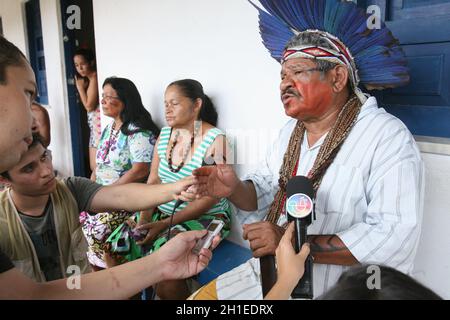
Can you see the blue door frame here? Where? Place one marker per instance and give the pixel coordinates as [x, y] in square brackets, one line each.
[36, 48]
[78, 149]
[423, 29]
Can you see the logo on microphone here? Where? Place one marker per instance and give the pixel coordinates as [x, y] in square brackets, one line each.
[299, 205]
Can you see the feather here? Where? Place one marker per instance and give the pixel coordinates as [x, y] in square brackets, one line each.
[380, 61]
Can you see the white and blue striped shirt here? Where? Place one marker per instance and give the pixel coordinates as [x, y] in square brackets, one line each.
[371, 197]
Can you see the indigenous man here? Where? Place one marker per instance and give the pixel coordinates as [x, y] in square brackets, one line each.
[365, 167]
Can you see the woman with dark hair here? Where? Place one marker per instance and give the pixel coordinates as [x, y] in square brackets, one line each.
[41, 123]
[124, 155]
[87, 86]
[190, 140]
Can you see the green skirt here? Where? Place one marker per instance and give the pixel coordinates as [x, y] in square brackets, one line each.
[122, 244]
[200, 224]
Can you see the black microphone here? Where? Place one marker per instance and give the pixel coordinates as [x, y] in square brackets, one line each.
[177, 204]
[299, 208]
[208, 161]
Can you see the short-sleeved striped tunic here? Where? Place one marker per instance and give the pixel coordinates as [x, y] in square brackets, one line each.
[221, 210]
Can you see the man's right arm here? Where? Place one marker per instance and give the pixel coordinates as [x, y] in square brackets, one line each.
[221, 181]
[174, 261]
[244, 196]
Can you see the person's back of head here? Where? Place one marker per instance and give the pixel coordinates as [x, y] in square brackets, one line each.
[357, 284]
[10, 55]
[41, 123]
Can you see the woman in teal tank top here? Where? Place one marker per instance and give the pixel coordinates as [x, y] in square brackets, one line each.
[191, 136]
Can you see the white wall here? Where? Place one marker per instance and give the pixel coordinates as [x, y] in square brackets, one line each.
[432, 264]
[216, 42]
[13, 18]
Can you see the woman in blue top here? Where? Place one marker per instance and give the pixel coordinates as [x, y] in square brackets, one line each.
[190, 138]
[124, 155]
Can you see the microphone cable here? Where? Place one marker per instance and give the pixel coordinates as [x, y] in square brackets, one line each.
[208, 161]
[175, 207]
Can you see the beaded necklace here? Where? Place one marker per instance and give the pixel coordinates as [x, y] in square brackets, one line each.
[327, 153]
[112, 137]
[186, 152]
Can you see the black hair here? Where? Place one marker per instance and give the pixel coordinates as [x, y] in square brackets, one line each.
[394, 285]
[88, 55]
[134, 116]
[10, 55]
[37, 139]
[193, 90]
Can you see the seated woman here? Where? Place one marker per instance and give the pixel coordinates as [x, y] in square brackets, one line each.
[189, 139]
[124, 155]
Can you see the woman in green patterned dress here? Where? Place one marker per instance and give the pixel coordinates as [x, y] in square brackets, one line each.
[124, 155]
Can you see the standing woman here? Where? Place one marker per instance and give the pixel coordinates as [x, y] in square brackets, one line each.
[41, 123]
[190, 138]
[87, 86]
[124, 155]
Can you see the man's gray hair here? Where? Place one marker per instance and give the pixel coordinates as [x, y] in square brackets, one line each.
[309, 38]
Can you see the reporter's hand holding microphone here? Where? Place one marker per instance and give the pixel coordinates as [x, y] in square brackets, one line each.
[290, 266]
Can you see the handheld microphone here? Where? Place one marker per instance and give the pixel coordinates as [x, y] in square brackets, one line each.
[299, 208]
[208, 161]
[177, 204]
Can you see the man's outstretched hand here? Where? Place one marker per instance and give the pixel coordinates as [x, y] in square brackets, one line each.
[218, 181]
[186, 189]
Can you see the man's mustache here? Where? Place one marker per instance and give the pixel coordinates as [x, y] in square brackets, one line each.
[290, 91]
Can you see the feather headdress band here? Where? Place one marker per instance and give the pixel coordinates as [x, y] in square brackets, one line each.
[373, 56]
[336, 53]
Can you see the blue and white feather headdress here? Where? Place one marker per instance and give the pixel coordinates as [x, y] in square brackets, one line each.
[373, 56]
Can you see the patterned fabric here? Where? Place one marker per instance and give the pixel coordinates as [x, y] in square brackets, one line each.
[117, 156]
[95, 128]
[340, 54]
[222, 210]
[114, 158]
[97, 228]
[123, 241]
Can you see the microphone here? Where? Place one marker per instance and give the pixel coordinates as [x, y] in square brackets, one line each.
[299, 208]
[177, 204]
[208, 161]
